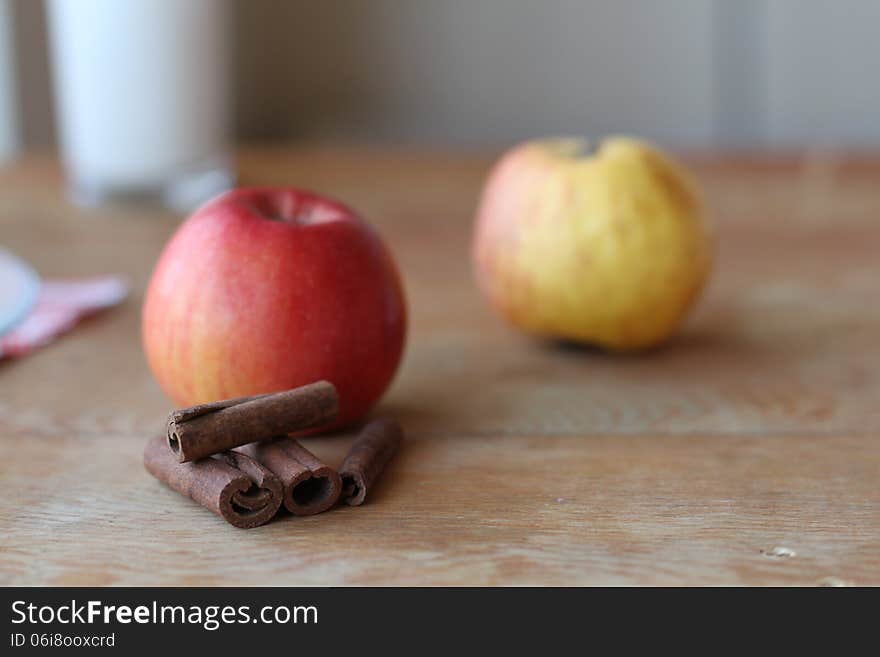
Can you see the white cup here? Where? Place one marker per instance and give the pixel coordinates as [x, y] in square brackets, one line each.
[142, 98]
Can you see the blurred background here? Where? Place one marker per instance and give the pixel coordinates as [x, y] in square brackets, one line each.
[692, 74]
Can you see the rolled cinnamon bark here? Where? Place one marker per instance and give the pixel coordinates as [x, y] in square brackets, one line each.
[207, 429]
[183, 414]
[309, 485]
[372, 449]
[235, 487]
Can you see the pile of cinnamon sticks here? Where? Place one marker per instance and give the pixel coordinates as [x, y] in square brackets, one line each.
[235, 457]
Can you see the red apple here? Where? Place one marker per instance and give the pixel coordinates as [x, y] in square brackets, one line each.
[267, 289]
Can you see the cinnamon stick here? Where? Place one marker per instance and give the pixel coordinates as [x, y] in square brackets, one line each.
[232, 485]
[183, 414]
[309, 485]
[206, 429]
[372, 449]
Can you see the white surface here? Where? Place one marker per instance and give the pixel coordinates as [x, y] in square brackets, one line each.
[489, 71]
[140, 86]
[19, 288]
[822, 77]
[697, 73]
[693, 73]
[9, 126]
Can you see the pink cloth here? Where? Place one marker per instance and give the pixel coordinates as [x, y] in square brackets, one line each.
[60, 306]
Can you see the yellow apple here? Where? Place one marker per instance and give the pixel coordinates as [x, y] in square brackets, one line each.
[608, 248]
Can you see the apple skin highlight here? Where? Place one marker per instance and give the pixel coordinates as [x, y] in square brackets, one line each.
[262, 290]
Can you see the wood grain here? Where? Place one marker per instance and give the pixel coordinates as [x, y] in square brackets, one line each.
[753, 433]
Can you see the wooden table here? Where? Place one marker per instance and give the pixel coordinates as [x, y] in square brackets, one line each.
[744, 452]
